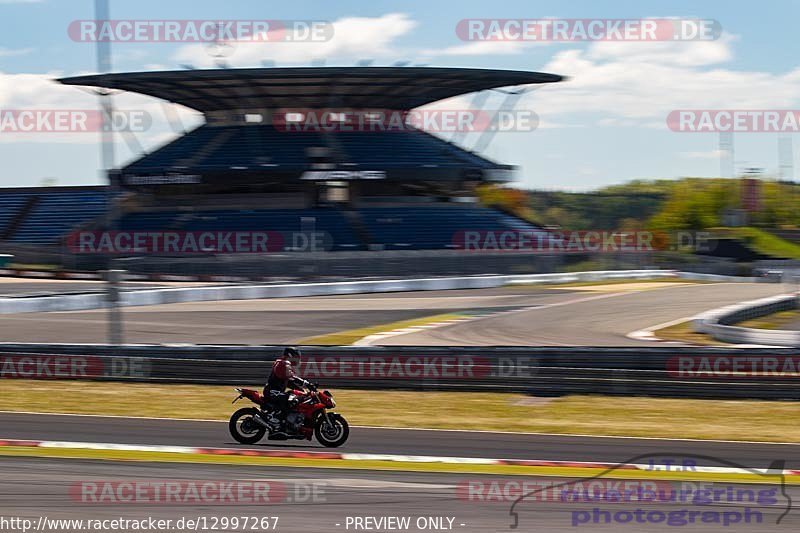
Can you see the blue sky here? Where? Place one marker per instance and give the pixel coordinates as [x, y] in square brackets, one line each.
[605, 125]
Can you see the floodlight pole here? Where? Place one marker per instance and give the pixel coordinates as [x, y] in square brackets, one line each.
[114, 277]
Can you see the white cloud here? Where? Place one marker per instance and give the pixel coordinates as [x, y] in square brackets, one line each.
[683, 53]
[481, 48]
[637, 84]
[41, 92]
[353, 38]
[9, 52]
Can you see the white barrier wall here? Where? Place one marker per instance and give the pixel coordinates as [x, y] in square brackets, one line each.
[719, 322]
[79, 302]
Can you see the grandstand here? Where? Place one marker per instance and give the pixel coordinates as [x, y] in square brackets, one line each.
[43, 215]
[240, 170]
[258, 147]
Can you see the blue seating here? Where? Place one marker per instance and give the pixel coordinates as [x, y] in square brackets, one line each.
[400, 149]
[395, 228]
[10, 205]
[434, 227]
[286, 221]
[169, 155]
[57, 213]
[258, 146]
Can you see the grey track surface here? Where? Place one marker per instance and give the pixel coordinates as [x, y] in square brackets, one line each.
[590, 319]
[391, 441]
[193, 323]
[794, 325]
[555, 317]
[32, 488]
[279, 320]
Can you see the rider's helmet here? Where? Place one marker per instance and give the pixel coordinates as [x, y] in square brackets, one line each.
[291, 354]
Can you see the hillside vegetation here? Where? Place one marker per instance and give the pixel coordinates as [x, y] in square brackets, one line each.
[691, 204]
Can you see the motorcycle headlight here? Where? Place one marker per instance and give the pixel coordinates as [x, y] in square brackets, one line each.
[329, 403]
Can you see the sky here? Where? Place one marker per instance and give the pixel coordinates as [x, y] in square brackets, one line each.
[605, 125]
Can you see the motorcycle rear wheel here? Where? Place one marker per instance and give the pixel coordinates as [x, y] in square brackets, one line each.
[243, 428]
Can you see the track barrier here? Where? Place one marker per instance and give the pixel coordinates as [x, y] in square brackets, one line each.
[760, 373]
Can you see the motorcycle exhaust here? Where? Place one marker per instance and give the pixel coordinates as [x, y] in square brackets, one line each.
[261, 422]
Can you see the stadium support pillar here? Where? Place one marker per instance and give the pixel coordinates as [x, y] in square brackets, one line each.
[107, 156]
[114, 279]
[311, 194]
[355, 194]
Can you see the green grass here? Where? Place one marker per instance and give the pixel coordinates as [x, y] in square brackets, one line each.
[762, 241]
[591, 415]
[773, 321]
[31, 266]
[683, 332]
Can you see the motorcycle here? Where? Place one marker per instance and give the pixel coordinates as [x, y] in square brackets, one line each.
[309, 416]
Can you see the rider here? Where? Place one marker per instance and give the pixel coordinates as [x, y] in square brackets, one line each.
[281, 377]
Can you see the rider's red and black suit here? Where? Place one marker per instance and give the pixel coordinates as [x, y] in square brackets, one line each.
[281, 377]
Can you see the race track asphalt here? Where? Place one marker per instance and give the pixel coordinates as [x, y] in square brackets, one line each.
[590, 318]
[394, 441]
[270, 321]
[535, 316]
[307, 500]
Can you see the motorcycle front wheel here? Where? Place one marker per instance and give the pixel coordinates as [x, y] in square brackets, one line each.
[334, 434]
[244, 428]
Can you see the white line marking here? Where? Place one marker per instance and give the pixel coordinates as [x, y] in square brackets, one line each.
[356, 483]
[647, 334]
[393, 458]
[370, 340]
[419, 458]
[111, 416]
[69, 445]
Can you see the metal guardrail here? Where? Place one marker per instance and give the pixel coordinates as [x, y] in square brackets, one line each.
[719, 323]
[543, 371]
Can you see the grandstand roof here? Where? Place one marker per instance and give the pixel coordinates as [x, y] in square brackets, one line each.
[399, 88]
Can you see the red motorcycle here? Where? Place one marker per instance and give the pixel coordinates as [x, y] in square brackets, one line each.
[309, 416]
